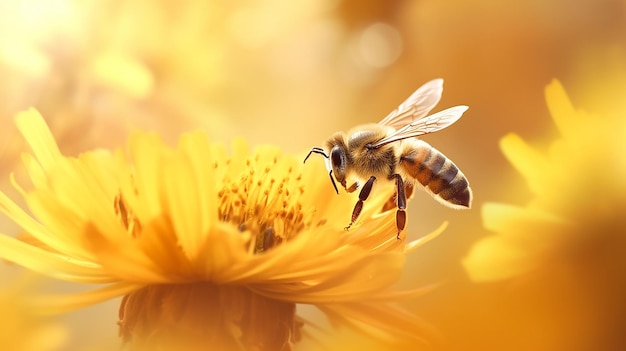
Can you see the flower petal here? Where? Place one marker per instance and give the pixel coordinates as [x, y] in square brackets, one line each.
[523, 226]
[123, 258]
[51, 264]
[202, 159]
[381, 320]
[146, 151]
[528, 161]
[567, 119]
[362, 279]
[493, 258]
[411, 246]
[36, 132]
[55, 304]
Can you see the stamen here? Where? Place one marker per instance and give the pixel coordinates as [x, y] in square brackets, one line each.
[126, 215]
[267, 207]
[256, 202]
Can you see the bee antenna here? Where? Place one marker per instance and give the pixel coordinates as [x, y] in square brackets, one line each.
[316, 150]
[320, 151]
[332, 180]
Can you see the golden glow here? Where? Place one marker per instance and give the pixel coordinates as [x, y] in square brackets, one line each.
[98, 69]
[380, 45]
[124, 74]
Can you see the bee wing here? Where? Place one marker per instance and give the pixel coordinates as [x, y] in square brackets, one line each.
[416, 106]
[425, 125]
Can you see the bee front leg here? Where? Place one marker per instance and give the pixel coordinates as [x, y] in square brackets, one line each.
[401, 202]
[352, 187]
[363, 195]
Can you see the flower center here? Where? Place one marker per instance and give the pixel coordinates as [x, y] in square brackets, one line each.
[265, 200]
[262, 197]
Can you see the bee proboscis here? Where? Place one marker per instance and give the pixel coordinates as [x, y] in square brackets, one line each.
[391, 151]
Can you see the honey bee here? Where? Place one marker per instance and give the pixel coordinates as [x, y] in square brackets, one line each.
[390, 151]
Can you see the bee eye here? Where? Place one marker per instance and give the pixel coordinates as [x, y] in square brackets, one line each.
[338, 158]
[339, 162]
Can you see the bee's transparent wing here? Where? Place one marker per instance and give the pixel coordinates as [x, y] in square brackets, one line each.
[416, 106]
[425, 125]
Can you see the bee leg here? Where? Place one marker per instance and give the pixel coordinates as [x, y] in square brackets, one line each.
[363, 195]
[401, 202]
[391, 203]
[352, 187]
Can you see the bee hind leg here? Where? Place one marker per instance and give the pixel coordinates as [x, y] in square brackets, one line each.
[391, 202]
[363, 195]
[401, 203]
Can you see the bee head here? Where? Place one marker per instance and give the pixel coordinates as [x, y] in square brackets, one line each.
[337, 160]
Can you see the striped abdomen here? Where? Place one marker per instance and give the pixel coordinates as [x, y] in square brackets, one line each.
[440, 176]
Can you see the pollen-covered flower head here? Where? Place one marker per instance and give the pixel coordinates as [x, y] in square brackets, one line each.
[206, 244]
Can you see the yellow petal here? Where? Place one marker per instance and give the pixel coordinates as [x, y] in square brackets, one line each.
[61, 228]
[411, 246]
[62, 241]
[493, 258]
[159, 242]
[36, 132]
[528, 161]
[361, 279]
[566, 118]
[146, 151]
[181, 199]
[202, 159]
[35, 171]
[186, 190]
[123, 259]
[51, 264]
[55, 304]
[380, 320]
[526, 227]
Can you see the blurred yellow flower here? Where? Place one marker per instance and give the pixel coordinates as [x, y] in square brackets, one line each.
[206, 247]
[22, 328]
[579, 194]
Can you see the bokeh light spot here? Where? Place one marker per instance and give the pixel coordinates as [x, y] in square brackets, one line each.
[380, 45]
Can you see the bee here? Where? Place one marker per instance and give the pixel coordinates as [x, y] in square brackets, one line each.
[390, 151]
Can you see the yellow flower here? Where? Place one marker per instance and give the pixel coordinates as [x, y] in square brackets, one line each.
[206, 247]
[22, 328]
[579, 194]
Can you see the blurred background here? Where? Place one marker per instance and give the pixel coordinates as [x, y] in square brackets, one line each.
[291, 73]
